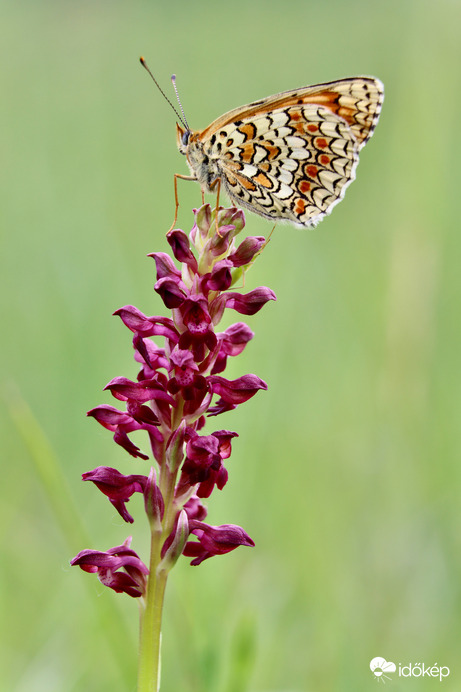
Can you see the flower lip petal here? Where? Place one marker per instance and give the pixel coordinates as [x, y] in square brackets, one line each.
[125, 389]
[145, 326]
[134, 319]
[250, 303]
[110, 417]
[235, 338]
[117, 487]
[214, 540]
[164, 265]
[122, 439]
[115, 484]
[236, 391]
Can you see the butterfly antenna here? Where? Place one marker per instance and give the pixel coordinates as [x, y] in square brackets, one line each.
[183, 119]
[173, 79]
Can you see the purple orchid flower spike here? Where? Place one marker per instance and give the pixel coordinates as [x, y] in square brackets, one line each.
[179, 385]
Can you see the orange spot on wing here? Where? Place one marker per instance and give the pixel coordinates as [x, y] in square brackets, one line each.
[300, 206]
[244, 182]
[272, 151]
[347, 113]
[304, 186]
[324, 159]
[330, 99]
[262, 180]
[311, 170]
[321, 143]
[248, 130]
[325, 98]
[230, 179]
[247, 153]
[313, 128]
[295, 115]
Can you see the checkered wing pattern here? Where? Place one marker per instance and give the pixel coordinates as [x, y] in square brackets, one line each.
[289, 157]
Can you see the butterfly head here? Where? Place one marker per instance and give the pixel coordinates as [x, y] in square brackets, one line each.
[202, 167]
[182, 138]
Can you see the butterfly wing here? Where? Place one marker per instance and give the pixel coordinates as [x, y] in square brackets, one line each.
[291, 156]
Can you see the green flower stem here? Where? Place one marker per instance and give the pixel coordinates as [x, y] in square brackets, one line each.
[151, 622]
[151, 609]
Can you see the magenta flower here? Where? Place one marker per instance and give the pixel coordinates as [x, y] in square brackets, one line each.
[214, 540]
[203, 466]
[231, 343]
[120, 488]
[106, 564]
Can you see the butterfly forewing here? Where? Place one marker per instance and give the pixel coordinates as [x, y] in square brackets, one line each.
[290, 157]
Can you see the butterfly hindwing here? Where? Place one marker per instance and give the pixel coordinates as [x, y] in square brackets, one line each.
[293, 163]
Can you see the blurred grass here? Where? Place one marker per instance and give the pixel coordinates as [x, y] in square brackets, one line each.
[346, 472]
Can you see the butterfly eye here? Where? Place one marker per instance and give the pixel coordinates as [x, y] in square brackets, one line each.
[185, 137]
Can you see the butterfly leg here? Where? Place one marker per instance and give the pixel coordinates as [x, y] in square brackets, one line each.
[176, 198]
[216, 184]
[263, 246]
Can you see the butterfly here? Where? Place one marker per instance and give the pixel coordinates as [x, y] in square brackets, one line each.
[288, 157]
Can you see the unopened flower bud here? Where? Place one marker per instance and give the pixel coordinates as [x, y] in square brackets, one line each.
[247, 250]
[179, 243]
[232, 216]
[199, 233]
[175, 543]
[153, 502]
[175, 448]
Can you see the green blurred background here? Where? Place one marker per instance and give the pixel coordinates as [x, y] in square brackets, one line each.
[346, 472]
